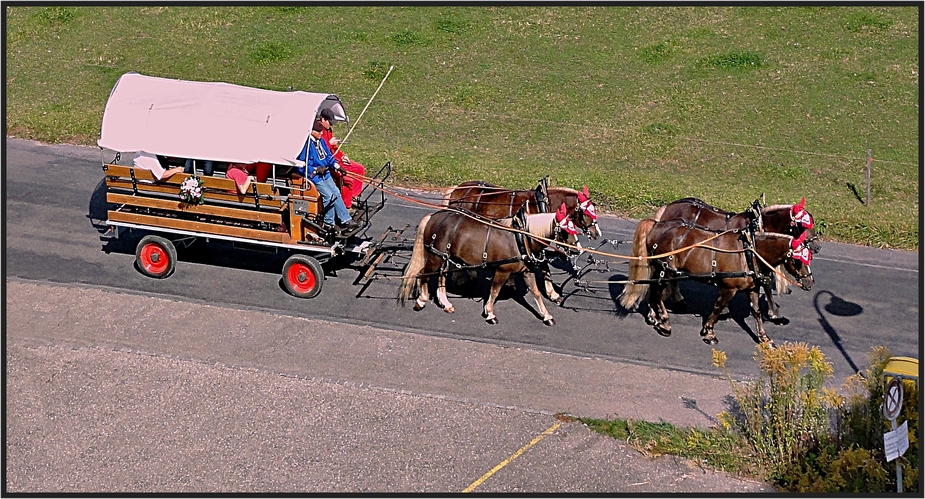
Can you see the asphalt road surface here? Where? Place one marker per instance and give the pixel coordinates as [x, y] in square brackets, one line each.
[248, 388]
[863, 297]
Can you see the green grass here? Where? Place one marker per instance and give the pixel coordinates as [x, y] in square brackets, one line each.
[713, 448]
[643, 104]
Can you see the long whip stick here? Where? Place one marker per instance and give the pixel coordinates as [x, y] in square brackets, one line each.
[355, 123]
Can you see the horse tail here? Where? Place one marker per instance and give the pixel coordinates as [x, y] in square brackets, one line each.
[410, 282]
[633, 292]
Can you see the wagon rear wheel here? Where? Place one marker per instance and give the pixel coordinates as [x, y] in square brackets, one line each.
[303, 276]
[155, 256]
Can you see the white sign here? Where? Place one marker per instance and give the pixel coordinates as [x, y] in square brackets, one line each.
[896, 442]
[893, 399]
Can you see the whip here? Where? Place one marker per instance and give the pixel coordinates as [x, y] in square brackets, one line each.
[355, 123]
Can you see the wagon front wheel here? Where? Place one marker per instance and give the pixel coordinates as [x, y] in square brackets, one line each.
[303, 276]
[155, 256]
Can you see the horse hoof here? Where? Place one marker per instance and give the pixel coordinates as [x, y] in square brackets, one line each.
[418, 308]
[492, 321]
[666, 332]
[449, 309]
[711, 341]
[550, 322]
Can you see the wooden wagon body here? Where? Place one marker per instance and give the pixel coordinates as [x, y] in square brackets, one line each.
[232, 124]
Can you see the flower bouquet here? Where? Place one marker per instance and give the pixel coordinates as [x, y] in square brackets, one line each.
[191, 191]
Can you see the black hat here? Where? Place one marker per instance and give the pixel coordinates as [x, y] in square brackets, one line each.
[317, 127]
[328, 114]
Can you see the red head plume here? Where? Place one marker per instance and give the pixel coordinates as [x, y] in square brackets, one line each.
[798, 241]
[583, 196]
[561, 213]
[799, 215]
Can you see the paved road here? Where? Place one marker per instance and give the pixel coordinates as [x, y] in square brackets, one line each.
[355, 394]
[863, 297]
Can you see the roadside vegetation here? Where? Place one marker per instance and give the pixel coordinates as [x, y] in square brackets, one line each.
[645, 105]
[789, 428]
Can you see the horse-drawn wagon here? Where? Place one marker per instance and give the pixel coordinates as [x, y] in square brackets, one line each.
[221, 123]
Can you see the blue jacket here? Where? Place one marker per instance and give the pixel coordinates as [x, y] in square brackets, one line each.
[318, 160]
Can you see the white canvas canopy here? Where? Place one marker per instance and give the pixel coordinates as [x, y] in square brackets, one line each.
[210, 120]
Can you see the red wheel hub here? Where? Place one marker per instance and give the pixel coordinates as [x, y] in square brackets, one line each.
[301, 277]
[154, 258]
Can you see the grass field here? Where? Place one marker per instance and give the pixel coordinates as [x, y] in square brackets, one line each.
[644, 105]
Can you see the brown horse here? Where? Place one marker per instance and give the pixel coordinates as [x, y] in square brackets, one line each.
[492, 201]
[728, 260]
[792, 220]
[496, 202]
[450, 241]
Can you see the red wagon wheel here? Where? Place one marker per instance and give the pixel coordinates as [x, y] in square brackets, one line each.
[303, 276]
[155, 256]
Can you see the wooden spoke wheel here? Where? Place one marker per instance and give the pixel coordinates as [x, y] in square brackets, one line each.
[155, 256]
[303, 276]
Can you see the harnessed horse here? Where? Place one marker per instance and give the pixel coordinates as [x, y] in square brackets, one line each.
[449, 241]
[733, 261]
[792, 220]
[496, 202]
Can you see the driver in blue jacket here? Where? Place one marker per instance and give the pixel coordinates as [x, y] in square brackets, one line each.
[318, 165]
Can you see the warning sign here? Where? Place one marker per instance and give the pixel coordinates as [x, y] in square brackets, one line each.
[896, 442]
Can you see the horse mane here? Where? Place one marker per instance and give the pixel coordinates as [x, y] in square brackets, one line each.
[775, 207]
[540, 224]
[566, 190]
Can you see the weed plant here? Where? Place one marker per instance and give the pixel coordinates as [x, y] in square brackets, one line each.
[810, 438]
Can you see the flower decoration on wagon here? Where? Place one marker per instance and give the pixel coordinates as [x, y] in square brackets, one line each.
[191, 191]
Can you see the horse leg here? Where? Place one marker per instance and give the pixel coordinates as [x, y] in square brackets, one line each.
[680, 305]
[756, 313]
[488, 312]
[424, 294]
[658, 314]
[773, 314]
[547, 282]
[441, 295]
[530, 280]
[725, 296]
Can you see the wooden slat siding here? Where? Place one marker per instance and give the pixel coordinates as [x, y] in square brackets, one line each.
[204, 209]
[120, 176]
[201, 227]
[174, 191]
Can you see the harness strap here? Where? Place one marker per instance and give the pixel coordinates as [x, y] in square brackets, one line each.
[131, 172]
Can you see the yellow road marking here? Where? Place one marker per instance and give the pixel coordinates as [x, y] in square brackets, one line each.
[513, 457]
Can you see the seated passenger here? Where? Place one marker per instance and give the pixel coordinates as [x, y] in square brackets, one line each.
[150, 161]
[207, 167]
[241, 174]
[319, 162]
[351, 185]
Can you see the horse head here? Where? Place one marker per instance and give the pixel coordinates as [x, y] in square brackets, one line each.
[797, 262]
[792, 220]
[586, 215]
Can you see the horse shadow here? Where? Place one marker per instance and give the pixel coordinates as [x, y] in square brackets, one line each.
[475, 284]
[699, 299]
